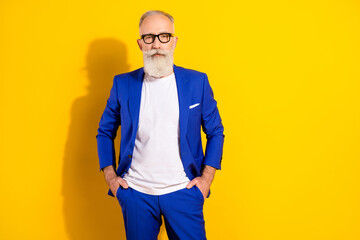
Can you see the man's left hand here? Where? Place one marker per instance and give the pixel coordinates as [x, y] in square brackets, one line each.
[203, 182]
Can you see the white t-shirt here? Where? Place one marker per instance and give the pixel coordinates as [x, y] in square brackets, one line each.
[156, 166]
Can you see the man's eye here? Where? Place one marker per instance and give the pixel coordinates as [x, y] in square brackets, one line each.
[164, 36]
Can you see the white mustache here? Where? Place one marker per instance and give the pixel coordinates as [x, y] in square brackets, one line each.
[152, 52]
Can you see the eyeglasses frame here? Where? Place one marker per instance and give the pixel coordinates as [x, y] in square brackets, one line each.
[157, 36]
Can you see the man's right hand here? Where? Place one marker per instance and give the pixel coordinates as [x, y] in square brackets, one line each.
[112, 180]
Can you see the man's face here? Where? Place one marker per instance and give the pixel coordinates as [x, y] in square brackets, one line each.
[156, 24]
[158, 56]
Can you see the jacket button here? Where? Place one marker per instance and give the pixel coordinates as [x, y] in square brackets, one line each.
[129, 156]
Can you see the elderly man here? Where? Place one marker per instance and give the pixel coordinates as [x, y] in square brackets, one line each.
[162, 169]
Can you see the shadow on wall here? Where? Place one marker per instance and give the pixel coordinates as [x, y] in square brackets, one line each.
[89, 212]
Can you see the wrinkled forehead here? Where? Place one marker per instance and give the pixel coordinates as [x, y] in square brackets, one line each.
[155, 24]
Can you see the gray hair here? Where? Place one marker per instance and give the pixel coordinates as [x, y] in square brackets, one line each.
[153, 12]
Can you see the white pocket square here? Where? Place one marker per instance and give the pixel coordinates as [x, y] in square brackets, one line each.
[194, 105]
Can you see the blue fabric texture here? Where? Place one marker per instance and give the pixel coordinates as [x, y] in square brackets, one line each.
[182, 211]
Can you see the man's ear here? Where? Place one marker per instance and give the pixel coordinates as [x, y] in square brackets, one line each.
[139, 43]
[176, 39]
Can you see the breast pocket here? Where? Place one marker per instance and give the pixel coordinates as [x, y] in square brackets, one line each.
[194, 105]
[195, 109]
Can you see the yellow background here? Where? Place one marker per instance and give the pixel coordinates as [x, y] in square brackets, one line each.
[285, 75]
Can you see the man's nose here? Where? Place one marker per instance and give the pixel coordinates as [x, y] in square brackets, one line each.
[156, 44]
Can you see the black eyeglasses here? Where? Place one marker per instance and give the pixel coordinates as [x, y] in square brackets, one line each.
[150, 38]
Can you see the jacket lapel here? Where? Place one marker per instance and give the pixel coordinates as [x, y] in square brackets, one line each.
[182, 90]
[135, 87]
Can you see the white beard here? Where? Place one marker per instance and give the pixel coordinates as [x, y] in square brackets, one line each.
[158, 66]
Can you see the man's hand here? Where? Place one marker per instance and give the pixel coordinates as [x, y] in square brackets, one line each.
[114, 181]
[203, 182]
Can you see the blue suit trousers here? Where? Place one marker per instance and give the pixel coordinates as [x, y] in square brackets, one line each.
[182, 211]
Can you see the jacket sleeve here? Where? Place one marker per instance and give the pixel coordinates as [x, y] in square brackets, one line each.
[108, 126]
[212, 127]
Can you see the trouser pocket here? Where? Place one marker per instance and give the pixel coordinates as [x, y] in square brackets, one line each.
[199, 193]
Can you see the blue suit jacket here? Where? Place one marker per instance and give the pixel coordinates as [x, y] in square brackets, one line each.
[123, 107]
